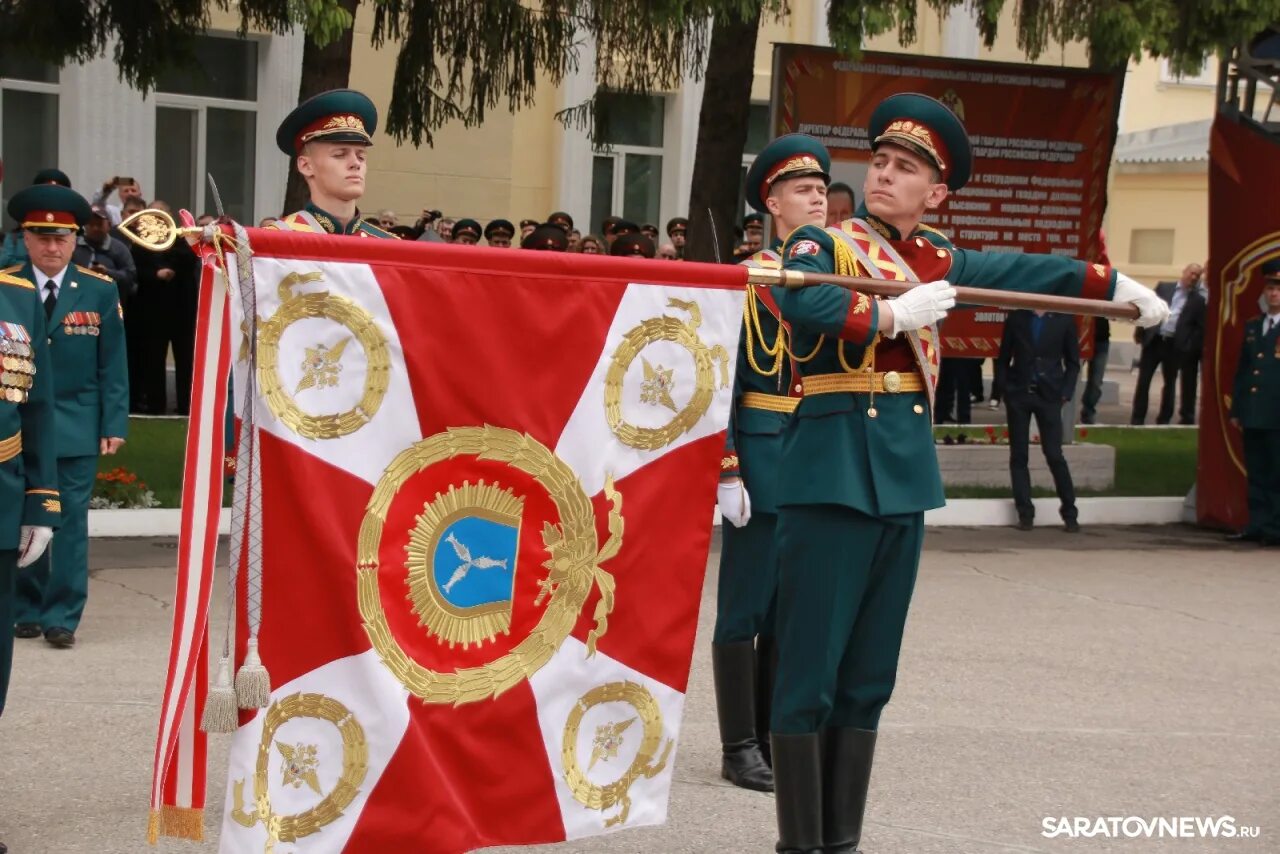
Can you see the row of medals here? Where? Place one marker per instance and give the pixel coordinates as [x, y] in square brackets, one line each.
[18, 370]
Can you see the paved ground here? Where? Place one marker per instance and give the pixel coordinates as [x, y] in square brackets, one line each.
[1122, 672]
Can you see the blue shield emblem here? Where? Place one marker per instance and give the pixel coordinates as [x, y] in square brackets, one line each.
[462, 563]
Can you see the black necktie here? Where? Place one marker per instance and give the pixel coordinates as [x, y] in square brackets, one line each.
[51, 300]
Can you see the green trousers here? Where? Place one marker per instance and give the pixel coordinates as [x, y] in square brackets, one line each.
[1262, 468]
[8, 569]
[748, 580]
[53, 590]
[844, 586]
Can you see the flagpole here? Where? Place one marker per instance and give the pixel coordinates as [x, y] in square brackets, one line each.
[970, 296]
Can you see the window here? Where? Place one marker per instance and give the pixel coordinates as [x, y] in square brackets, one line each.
[757, 138]
[207, 124]
[626, 172]
[28, 119]
[1151, 246]
[1208, 75]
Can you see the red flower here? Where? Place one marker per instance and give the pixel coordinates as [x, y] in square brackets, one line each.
[1083, 432]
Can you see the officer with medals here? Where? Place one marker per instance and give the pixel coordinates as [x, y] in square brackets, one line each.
[30, 505]
[858, 466]
[498, 233]
[1255, 412]
[788, 180]
[327, 135]
[85, 336]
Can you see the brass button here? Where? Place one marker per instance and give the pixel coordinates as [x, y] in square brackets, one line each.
[919, 241]
[799, 388]
[871, 412]
[918, 409]
[1255, 388]
[942, 253]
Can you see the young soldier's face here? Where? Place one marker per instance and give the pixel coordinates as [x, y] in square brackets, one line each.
[50, 253]
[335, 169]
[797, 201]
[501, 241]
[901, 185]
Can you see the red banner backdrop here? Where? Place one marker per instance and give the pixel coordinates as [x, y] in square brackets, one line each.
[1244, 232]
[1042, 141]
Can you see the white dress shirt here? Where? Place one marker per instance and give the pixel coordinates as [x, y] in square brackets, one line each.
[42, 281]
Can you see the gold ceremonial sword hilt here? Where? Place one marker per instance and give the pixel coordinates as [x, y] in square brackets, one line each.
[1009, 300]
[155, 230]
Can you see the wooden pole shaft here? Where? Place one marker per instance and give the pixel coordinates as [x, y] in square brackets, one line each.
[970, 296]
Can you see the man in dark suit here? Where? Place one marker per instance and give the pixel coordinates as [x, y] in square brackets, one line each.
[1038, 365]
[1173, 347]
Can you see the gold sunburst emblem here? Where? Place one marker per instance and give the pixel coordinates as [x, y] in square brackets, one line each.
[363, 328]
[301, 766]
[608, 741]
[445, 560]
[656, 388]
[573, 567]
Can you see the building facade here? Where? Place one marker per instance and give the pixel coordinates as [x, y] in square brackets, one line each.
[220, 119]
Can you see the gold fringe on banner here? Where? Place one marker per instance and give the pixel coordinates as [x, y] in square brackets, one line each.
[179, 822]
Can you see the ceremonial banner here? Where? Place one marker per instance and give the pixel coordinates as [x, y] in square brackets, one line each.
[1243, 235]
[1042, 139]
[485, 487]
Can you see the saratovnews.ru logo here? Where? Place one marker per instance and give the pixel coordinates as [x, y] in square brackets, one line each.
[1140, 827]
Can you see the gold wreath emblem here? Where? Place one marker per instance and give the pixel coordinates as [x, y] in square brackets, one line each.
[355, 764]
[684, 333]
[339, 309]
[573, 567]
[648, 711]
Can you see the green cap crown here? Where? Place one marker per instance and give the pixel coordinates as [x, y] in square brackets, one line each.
[791, 156]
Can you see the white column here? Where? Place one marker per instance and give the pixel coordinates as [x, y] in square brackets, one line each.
[104, 127]
[820, 35]
[573, 181]
[960, 39]
[279, 75]
[679, 146]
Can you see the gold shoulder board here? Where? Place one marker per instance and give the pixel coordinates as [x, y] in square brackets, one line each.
[103, 276]
[16, 281]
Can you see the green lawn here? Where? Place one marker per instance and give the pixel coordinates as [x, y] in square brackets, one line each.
[1149, 462]
[154, 453]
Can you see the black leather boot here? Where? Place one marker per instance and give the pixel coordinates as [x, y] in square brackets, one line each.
[766, 673]
[797, 764]
[846, 766]
[734, 666]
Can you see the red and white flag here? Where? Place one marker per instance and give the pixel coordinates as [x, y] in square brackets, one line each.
[486, 480]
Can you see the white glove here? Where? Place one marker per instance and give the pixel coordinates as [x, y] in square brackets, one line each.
[32, 541]
[1152, 311]
[922, 306]
[735, 504]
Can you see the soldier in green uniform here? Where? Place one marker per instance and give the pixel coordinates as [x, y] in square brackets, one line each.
[29, 502]
[547, 237]
[498, 233]
[466, 232]
[789, 181]
[858, 465]
[678, 231]
[327, 135]
[30, 505]
[85, 337]
[1255, 411]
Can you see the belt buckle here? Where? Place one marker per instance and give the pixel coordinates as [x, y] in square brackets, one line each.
[892, 382]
